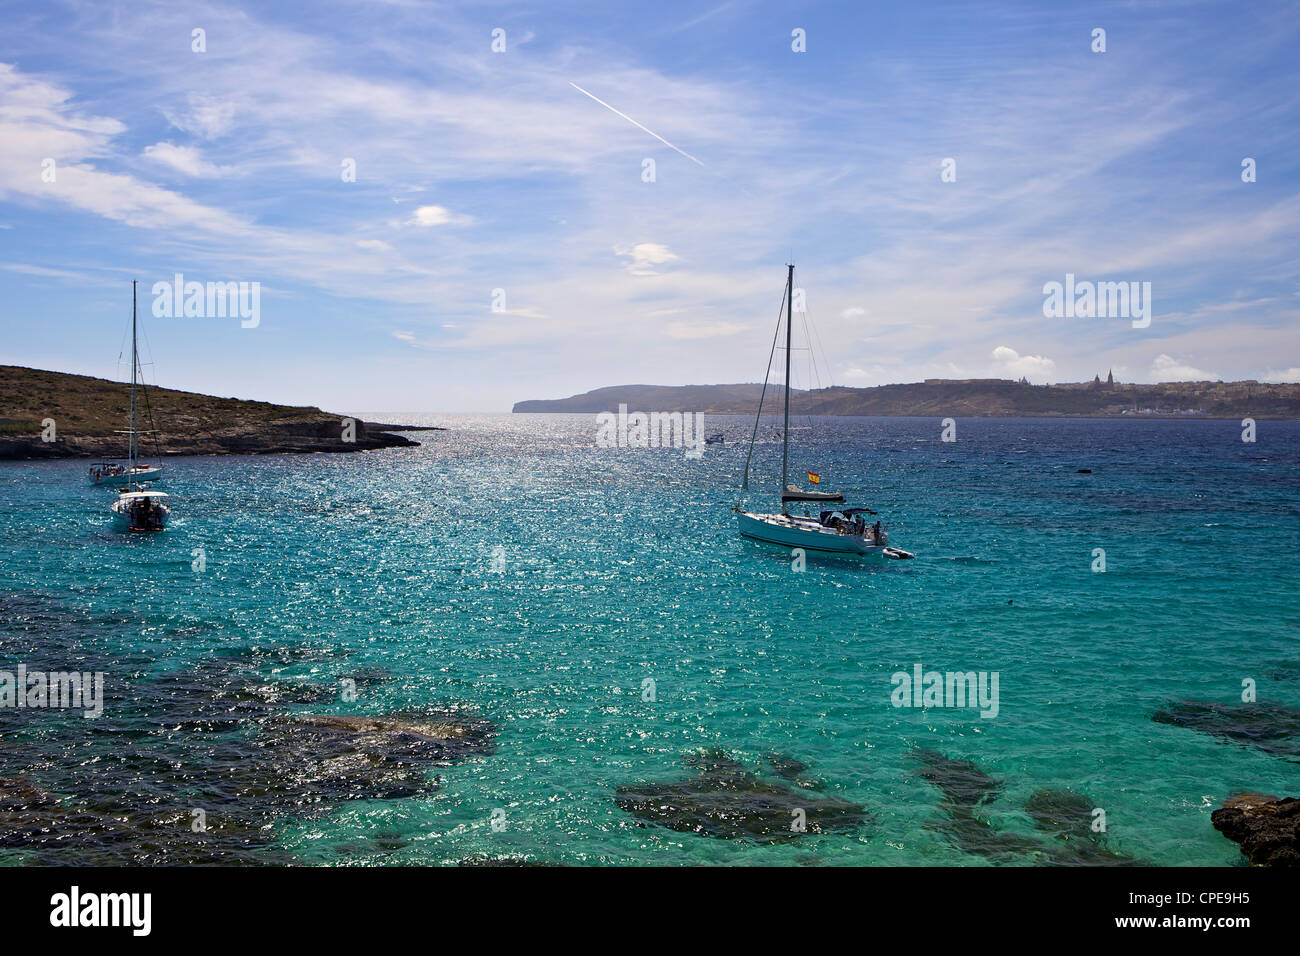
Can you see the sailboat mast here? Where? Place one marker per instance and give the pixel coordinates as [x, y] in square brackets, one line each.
[785, 428]
[133, 447]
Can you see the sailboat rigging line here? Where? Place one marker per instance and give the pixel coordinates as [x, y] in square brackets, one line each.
[144, 391]
[153, 427]
[744, 485]
[814, 373]
[134, 446]
[815, 345]
[785, 426]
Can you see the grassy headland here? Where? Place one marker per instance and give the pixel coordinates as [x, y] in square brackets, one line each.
[90, 413]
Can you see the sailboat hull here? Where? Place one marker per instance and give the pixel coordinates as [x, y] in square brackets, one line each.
[119, 475]
[792, 531]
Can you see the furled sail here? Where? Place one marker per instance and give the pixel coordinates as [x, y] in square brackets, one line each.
[794, 493]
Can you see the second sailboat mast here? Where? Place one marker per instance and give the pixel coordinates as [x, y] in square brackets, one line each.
[133, 446]
[785, 428]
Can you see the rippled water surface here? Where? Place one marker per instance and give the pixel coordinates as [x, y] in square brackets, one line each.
[619, 566]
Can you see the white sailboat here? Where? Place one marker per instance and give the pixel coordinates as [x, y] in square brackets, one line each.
[109, 472]
[136, 509]
[843, 531]
[133, 469]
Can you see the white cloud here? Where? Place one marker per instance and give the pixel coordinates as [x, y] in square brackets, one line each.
[404, 336]
[1286, 375]
[206, 116]
[645, 256]
[374, 245]
[185, 159]
[431, 216]
[853, 312]
[1166, 368]
[683, 330]
[37, 121]
[1028, 366]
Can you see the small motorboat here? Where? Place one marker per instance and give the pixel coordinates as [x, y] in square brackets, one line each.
[137, 510]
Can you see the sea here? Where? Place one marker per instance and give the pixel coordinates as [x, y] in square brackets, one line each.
[635, 684]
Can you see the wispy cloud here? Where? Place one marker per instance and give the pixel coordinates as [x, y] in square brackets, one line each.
[478, 171]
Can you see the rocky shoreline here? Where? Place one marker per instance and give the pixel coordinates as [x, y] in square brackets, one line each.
[46, 415]
[1267, 829]
[298, 436]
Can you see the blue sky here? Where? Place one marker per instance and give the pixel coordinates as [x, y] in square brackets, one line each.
[478, 170]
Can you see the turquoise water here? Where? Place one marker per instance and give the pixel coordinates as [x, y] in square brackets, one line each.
[623, 564]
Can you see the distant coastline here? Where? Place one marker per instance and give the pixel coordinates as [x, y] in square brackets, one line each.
[970, 398]
[89, 414]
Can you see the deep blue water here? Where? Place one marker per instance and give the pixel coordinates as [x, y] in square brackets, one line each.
[619, 565]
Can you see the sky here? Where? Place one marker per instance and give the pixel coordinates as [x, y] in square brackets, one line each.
[502, 237]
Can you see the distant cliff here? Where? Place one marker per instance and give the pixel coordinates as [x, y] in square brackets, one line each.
[89, 414]
[972, 398]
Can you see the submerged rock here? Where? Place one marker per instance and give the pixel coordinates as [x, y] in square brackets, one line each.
[309, 759]
[506, 861]
[1061, 813]
[44, 829]
[195, 765]
[785, 766]
[725, 799]
[140, 807]
[965, 788]
[1272, 728]
[962, 782]
[794, 770]
[1066, 818]
[1266, 828]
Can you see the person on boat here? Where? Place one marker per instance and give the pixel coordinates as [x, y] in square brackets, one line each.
[875, 531]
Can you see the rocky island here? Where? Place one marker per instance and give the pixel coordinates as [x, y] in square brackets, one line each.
[971, 398]
[45, 414]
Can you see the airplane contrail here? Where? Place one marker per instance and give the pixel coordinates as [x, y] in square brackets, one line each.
[635, 123]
